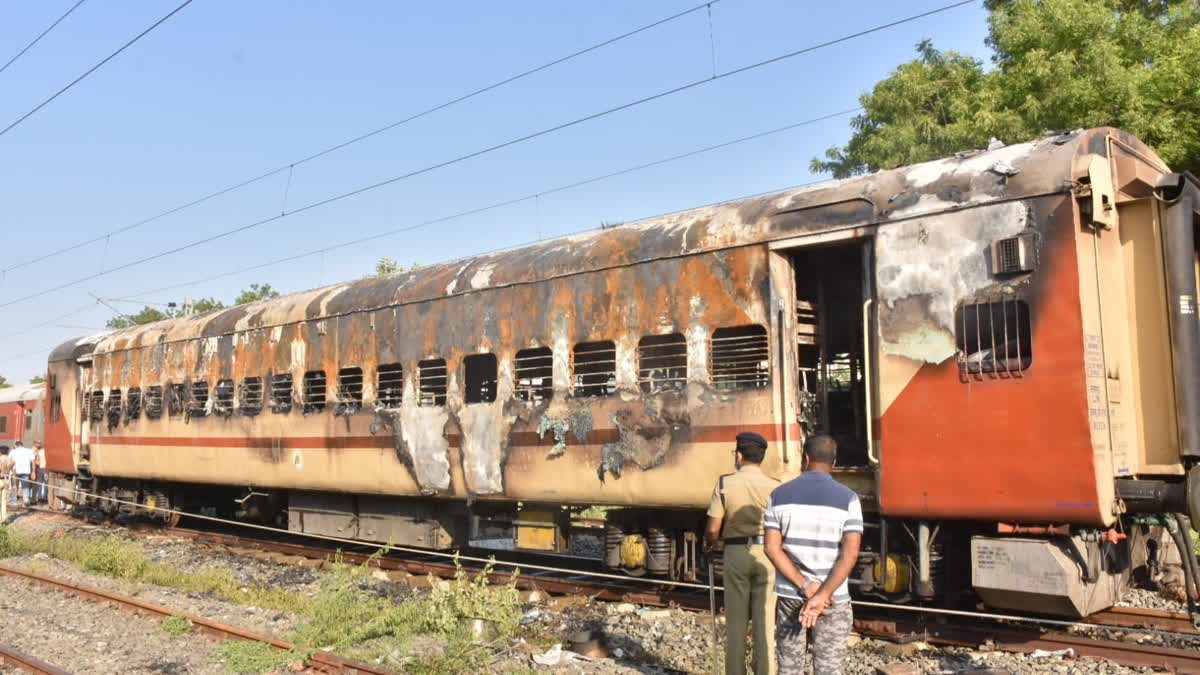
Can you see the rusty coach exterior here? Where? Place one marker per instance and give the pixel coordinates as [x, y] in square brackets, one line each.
[994, 339]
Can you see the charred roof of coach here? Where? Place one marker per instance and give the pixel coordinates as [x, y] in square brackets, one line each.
[1044, 166]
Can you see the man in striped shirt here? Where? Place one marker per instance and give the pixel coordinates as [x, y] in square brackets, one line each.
[813, 528]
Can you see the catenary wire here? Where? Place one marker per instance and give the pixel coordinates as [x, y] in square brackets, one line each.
[361, 137]
[461, 214]
[94, 68]
[492, 206]
[502, 249]
[41, 35]
[478, 153]
[386, 547]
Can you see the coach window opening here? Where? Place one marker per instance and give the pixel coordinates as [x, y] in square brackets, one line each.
[154, 401]
[97, 407]
[389, 387]
[535, 374]
[198, 402]
[314, 391]
[281, 393]
[223, 398]
[250, 400]
[832, 285]
[133, 404]
[662, 363]
[350, 389]
[480, 378]
[594, 368]
[431, 376]
[113, 408]
[176, 398]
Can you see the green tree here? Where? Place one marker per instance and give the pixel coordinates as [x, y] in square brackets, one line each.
[148, 314]
[254, 293]
[37, 379]
[1058, 64]
[387, 266]
[206, 305]
[4, 383]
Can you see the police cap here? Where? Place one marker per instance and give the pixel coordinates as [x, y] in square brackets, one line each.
[750, 439]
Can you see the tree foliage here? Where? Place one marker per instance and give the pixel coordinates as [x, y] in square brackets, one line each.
[1057, 64]
[255, 293]
[4, 383]
[387, 266]
[150, 314]
[37, 379]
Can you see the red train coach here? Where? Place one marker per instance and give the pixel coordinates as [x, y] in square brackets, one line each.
[21, 415]
[1003, 343]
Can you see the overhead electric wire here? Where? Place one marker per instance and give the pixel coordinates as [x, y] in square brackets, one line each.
[478, 153]
[461, 214]
[438, 220]
[40, 36]
[94, 68]
[357, 139]
[489, 207]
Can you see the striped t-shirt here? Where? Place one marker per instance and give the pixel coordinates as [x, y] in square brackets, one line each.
[812, 512]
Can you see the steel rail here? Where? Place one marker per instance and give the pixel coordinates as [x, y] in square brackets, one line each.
[681, 594]
[1136, 617]
[971, 632]
[26, 663]
[317, 660]
[970, 635]
[1028, 641]
[664, 597]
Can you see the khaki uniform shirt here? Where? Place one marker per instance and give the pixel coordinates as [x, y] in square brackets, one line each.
[739, 499]
[6, 466]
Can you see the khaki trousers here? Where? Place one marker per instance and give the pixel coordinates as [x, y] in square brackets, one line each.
[749, 596]
[4, 499]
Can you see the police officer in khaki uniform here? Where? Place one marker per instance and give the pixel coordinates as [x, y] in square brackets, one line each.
[735, 516]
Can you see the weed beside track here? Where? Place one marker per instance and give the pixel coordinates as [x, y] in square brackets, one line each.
[428, 631]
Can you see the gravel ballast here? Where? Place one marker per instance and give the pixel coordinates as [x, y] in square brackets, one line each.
[622, 638]
[88, 637]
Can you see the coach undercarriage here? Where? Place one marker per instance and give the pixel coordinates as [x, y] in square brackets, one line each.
[945, 563]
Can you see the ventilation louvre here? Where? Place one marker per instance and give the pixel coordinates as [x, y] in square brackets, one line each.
[1013, 255]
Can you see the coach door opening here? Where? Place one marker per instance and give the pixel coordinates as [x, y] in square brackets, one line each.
[832, 289]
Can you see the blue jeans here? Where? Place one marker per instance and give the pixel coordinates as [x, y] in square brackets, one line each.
[41, 491]
[26, 487]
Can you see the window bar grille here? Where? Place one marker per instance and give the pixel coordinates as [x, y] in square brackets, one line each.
[1020, 362]
[978, 340]
[1004, 316]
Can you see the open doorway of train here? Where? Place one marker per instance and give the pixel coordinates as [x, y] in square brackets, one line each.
[832, 285]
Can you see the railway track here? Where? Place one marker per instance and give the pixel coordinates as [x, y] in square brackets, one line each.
[317, 661]
[875, 619]
[1012, 639]
[14, 659]
[882, 620]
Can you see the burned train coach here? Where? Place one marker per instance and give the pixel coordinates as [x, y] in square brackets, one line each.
[1003, 343]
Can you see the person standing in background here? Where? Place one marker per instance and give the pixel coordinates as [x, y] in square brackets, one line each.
[735, 516]
[6, 469]
[23, 461]
[43, 489]
[813, 532]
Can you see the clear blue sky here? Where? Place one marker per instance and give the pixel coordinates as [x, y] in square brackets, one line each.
[226, 90]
